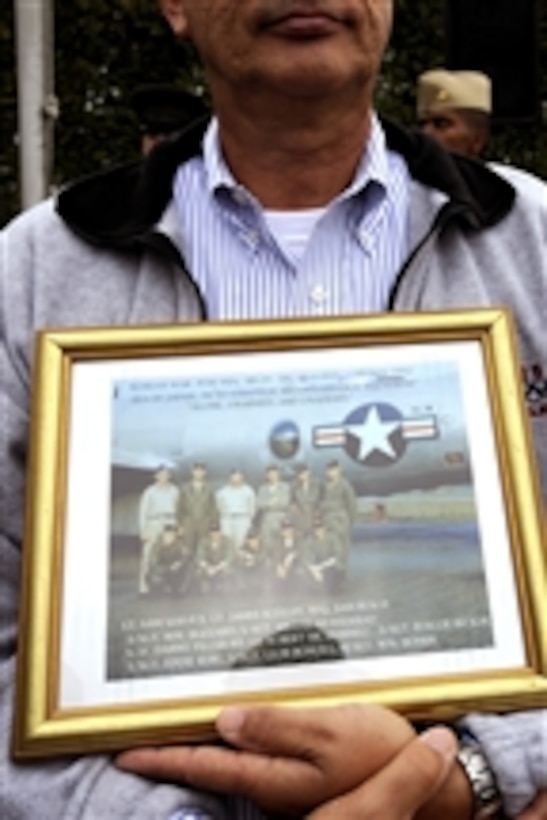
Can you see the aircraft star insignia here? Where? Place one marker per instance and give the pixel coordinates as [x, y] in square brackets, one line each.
[374, 434]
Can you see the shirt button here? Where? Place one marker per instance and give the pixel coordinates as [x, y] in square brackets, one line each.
[239, 196]
[318, 295]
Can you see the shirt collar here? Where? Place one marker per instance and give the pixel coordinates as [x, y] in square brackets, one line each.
[373, 165]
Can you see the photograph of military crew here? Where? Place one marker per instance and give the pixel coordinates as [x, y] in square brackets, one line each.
[268, 533]
[272, 503]
[197, 507]
[171, 563]
[214, 559]
[236, 505]
[157, 507]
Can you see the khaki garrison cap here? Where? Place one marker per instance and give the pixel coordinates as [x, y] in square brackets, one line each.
[440, 89]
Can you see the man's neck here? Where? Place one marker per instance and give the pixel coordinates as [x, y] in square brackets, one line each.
[293, 163]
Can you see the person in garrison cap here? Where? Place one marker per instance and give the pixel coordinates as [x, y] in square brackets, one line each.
[455, 108]
[163, 111]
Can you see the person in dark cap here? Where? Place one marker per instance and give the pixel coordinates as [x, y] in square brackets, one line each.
[163, 111]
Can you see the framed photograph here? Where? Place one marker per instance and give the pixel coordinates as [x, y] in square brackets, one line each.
[301, 512]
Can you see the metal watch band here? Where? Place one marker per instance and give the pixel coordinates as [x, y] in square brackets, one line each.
[487, 801]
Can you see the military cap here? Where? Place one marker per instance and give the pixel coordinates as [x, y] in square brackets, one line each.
[164, 109]
[439, 90]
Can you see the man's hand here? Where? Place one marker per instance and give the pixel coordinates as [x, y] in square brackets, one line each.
[286, 760]
[403, 786]
[538, 809]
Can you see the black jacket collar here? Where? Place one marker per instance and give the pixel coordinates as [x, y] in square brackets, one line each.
[120, 207]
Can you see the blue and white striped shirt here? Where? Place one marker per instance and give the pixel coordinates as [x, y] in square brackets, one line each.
[348, 265]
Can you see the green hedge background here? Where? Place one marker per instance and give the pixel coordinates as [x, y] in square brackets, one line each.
[104, 48]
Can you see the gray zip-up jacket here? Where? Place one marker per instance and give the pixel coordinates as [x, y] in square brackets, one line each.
[108, 252]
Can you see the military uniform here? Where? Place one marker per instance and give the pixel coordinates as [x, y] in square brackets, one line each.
[272, 503]
[157, 508]
[236, 507]
[323, 560]
[287, 556]
[250, 561]
[214, 557]
[171, 565]
[339, 513]
[196, 510]
[306, 496]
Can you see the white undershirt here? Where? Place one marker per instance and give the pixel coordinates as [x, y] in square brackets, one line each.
[292, 229]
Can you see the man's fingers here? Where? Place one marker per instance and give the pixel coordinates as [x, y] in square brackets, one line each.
[302, 733]
[277, 783]
[275, 731]
[403, 786]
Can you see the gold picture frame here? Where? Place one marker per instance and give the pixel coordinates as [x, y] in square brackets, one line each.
[428, 601]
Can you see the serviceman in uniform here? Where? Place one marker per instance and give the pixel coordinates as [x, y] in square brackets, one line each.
[306, 495]
[250, 560]
[197, 506]
[236, 504]
[272, 505]
[339, 508]
[214, 558]
[171, 562]
[322, 558]
[157, 507]
[287, 554]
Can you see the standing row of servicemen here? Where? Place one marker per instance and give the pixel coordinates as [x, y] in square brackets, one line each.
[194, 506]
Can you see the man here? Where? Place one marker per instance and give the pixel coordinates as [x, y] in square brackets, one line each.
[163, 111]
[365, 218]
[272, 504]
[306, 495]
[323, 559]
[287, 554]
[236, 504]
[157, 507]
[250, 561]
[455, 108]
[197, 507]
[171, 563]
[214, 558]
[339, 510]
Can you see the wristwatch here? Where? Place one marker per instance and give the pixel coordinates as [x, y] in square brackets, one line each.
[487, 801]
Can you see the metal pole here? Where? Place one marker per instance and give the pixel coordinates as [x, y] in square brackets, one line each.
[37, 109]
